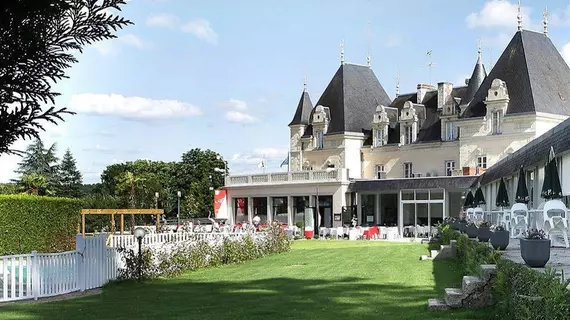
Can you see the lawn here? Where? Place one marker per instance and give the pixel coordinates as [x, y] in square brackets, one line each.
[316, 280]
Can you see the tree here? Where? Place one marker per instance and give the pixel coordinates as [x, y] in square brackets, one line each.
[70, 179]
[130, 182]
[38, 40]
[39, 161]
[32, 183]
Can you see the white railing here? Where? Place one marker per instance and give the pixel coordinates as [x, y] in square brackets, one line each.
[289, 177]
[39, 275]
[128, 241]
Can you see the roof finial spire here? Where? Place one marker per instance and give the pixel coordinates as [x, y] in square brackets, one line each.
[479, 43]
[305, 84]
[545, 21]
[519, 17]
[398, 82]
[342, 52]
[368, 58]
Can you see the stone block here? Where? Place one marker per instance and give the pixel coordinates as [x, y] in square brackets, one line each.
[454, 297]
[437, 304]
[471, 283]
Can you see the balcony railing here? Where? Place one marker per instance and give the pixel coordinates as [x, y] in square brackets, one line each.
[288, 177]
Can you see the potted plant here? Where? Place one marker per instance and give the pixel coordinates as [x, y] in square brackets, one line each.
[451, 222]
[500, 238]
[535, 248]
[484, 233]
[462, 223]
[471, 230]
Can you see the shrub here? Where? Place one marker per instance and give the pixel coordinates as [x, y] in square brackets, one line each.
[171, 259]
[448, 234]
[523, 293]
[44, 224]
[484, 224]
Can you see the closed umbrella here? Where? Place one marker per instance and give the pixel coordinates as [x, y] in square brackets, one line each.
[469, 200]
[521, 195]
[479, 198]
[551, 188]
[502, 199]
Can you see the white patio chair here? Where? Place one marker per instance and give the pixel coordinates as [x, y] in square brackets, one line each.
[505, 219]
[469, 214]
[340, 232]
[555, 220]
[519, 219]
[479, 214]
[323, 232]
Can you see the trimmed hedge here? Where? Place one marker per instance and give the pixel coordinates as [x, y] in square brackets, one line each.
[44, 224]
[519, 292]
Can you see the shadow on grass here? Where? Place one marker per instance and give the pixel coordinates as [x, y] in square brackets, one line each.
[277, 298]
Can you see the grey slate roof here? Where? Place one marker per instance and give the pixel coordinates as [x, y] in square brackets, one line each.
[537, 78]
[477, 77]
[352, 96]
[303, 111]
[457, 182]
[533, 153]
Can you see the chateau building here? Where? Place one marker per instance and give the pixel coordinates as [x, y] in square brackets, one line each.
[407, 160]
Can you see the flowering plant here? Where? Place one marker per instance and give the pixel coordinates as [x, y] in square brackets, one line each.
[499, 228]
[471, 224]
[484, 224]
[534, 234]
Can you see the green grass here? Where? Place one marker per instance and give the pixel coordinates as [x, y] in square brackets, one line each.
[316, 280]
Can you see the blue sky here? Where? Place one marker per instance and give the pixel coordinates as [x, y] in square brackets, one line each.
[227, 75]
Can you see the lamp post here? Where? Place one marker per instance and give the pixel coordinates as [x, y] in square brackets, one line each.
[179, 194]
[139, 234]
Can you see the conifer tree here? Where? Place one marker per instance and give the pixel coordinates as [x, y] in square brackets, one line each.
[70, 178]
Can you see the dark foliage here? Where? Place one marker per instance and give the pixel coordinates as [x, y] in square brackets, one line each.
[38, 40]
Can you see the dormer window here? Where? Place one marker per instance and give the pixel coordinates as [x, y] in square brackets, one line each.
[450, 131]
[320, 140]
[496, 118]
[379, 137]
[408, 135]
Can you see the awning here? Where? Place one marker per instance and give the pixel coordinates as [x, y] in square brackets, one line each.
[457, 182]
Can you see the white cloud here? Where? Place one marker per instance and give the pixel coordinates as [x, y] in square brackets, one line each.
[499, 13]
[236, 104]
[113, 46]
[258, 155]
[393, 41]
[240, 117]
[561, 18]
[163, 20]
[566, 53]
[238, 111]
[131, 107]
[201, 29]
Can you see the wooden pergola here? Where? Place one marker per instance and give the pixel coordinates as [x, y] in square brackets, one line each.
[121, 213]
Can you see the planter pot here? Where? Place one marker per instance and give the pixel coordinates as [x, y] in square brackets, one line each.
[484, 234]
[472, 232]
[454, 225]
[500, 240]
[535, 253]
[462, 226]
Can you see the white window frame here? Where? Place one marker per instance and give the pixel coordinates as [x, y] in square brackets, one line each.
[320, 140]
[496, 117]
[449, 167]
[408, 135]
[408, 170]
[379, 169]
[450, 131]
[379, 137]
[482, 162]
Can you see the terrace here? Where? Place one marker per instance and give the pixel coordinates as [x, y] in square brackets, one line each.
[280, 178]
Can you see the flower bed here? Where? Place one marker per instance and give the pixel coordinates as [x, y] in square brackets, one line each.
[173, 258]
[518, 292]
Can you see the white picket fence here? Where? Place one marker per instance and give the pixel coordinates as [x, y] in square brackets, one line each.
[38, 275]
[94, 263]
[128, 241]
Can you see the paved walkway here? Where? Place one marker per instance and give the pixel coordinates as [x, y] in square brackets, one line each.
[559, 257]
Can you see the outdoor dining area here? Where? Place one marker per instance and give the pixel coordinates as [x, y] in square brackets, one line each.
[550, 216]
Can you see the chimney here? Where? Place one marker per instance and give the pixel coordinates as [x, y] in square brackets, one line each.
[422, 90]
[444, 94]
